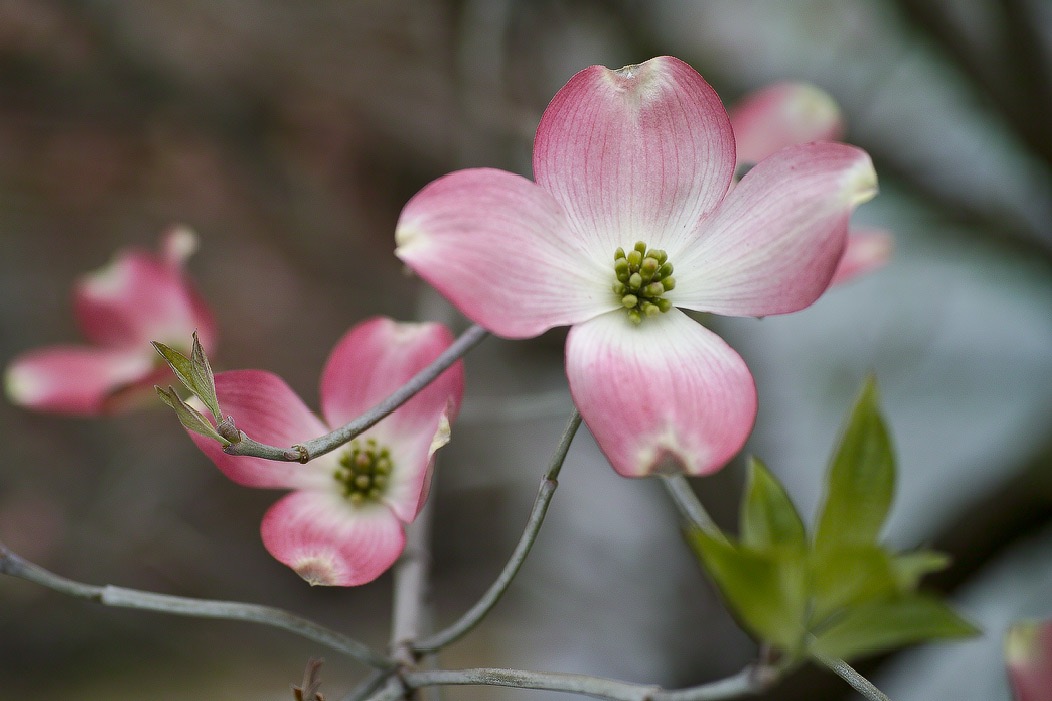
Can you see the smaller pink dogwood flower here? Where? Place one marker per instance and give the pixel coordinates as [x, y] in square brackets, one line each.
[1028, 656]
[120, 308]
[632, 218]
[343, 525]
[785, 114]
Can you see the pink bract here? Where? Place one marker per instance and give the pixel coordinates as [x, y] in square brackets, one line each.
[785, 114]
[319, 530]
[1028, 656]
[120, 308]
[642, 154]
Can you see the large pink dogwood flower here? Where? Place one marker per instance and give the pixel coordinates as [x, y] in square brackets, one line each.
[120, 308]
[789, 113]
[344, 523]
[633, 171]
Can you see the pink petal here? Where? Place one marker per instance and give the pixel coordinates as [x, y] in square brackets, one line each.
[141, 297]
[1028, 655]
[867, 250]
[772, 246]
[267, 410]
[372, 360]
[75, 380]
[328, 541]
[783, 114]
[663, 397]
[498, 247]
[640, 153]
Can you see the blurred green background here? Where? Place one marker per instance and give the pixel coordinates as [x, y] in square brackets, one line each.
[289, 135]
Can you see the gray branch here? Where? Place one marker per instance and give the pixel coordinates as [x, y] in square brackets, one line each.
[13, 565]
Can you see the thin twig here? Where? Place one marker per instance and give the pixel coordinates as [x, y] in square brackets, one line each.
[540, 507]
[370, 685]
[321, 445]
[690, 508]
[741, 684]
[846, 672]
[13, 565]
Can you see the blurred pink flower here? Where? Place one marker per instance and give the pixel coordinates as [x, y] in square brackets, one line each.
[120, 308]
[343, 524]
[1028, 656]
[632, 171]
[785, 114]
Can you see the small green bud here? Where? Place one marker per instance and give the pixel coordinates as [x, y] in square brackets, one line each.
[641, 247]
[666, 270]
[654, 289]
[619, 289]
[664, 305]
[634, 317]
[629, 301]
[620, 266]
[635, 281]
[619, 254]
[649, 266]
[659, 255]
[634, 259]
[668, 283]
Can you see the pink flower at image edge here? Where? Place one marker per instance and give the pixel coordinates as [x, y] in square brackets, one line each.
[643, 155]
[120, 308]
[343, 523]
[1028, 657]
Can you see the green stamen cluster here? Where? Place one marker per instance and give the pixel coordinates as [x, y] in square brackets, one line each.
[364, 472]
[643, 276]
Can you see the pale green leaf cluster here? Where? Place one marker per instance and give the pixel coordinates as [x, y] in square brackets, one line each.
[195, 373]
[838, 593]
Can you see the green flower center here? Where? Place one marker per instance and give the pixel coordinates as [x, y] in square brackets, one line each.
[643, 277]
[364, 472]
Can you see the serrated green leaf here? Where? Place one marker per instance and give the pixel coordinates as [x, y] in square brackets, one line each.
[767, 591]
[910, 568]
[189, 417]
[204, 382]
[850, 576]
[884, 625]
[179, 363]
[861, 479]
[768, 517]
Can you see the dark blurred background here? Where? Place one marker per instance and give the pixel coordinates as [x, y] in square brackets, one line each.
[289, 135]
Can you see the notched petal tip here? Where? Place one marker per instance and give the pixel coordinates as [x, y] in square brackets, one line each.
[179, 243]
[860, 182]
[318, 572]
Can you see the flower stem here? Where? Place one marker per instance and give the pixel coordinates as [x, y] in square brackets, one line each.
[307, 451]
[690, 508]
[411, 587]
[533, 526]
[13, 565]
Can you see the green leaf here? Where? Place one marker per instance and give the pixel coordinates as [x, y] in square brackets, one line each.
[767, 591]
[204, 382]
[849, 576]
[188, 416]
[910, 568]
[883, 625]
[179, 363]
[768, 517]
[861, 479]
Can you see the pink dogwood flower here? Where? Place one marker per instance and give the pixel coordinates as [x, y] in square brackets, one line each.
[1028, 656]
[785, 114]
[633, 171]
[120, 308]
[343, 524]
